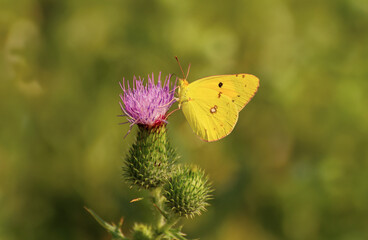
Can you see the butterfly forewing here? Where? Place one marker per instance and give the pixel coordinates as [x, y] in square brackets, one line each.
[240, 88]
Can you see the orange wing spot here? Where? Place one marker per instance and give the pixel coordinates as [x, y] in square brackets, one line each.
[243, 76]
[236, 75]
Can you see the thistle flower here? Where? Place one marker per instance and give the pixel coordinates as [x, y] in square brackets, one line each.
[147, 104]
[150, 159]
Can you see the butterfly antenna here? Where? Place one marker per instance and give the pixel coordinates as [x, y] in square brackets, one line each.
[188, 71]
[180, 66]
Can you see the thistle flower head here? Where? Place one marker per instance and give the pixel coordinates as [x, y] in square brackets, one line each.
[147, 104]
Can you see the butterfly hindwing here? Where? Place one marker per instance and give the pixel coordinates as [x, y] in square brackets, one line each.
[211, 117]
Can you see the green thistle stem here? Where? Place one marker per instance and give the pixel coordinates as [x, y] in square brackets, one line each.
[158, 200]
[164, 222]
[168, 225]
[165, 229]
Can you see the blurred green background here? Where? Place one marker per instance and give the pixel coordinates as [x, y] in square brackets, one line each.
[295, 167]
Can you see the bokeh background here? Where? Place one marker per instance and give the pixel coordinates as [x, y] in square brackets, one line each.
[295, 167]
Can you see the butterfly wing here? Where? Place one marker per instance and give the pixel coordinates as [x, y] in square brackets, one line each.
[211, 117]
[240, 88]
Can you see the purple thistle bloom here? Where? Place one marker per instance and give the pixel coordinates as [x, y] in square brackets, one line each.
[147, 104]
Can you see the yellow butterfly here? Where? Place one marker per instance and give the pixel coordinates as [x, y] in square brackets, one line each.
[212, 104]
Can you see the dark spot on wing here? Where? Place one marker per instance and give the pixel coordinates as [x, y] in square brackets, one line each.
[245, 85]
[243, 76]
[220, 84]
[238, 95]
[219, 95]
[233, 100]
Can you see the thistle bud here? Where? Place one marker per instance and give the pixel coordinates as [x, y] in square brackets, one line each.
[150, 160]
[187, 191]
